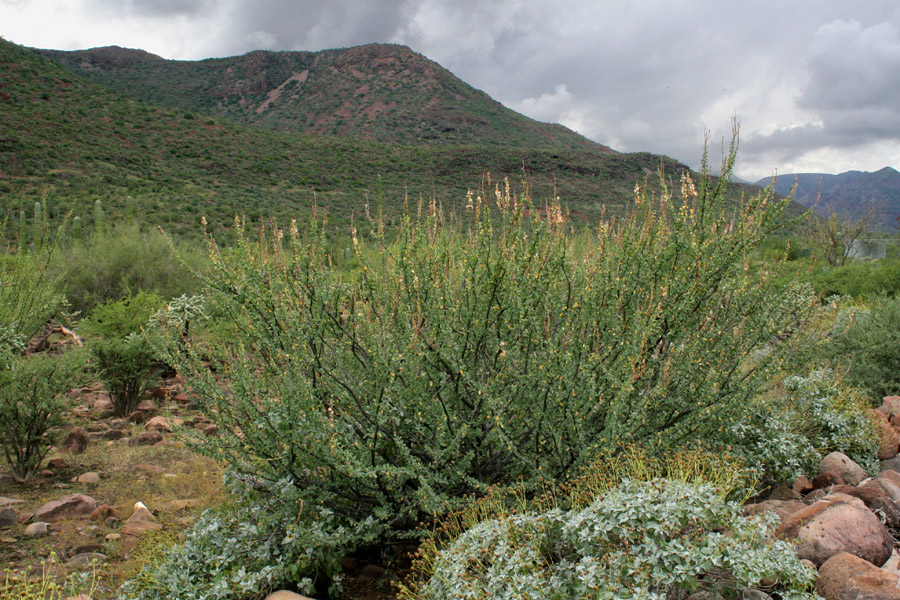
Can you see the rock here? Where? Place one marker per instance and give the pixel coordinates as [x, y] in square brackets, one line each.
[891, 464]
[6, 480]
[782, 492]
[37, 530]
[845, 576]
[782, 508]
[102, 405]
[839, 463]
[73, 505]
[140, 521]
[803, 485]
[890, 489]
[118, 423]
[827, 480]
[112, 434]
[89, 477]
[146, 406]
[147, 438]
[85, 559]
[182, 399]
[159, 424]
[890, 475]
[76, 441]
[888, 437]
[149, 469]
[890, 406]
[105, 511]
[750, 594]
[875, 500]
[136, 417]
[9, 501]
[57, 464]
[208, 429]
[8, 518]
[112, 537]
[286, 595]
[835, 524]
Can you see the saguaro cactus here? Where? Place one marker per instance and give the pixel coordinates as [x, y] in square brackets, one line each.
[76, 229]
[38, 226]
[99, 218]
[23, 231]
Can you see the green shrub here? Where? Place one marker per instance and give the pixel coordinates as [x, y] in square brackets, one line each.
[458, 358]
[122, 317]
[653, 540]
[28, 298]
[859, 279]
[122, 263]
[31, 406]
[865, 344]
[126, 367]
[788, 436]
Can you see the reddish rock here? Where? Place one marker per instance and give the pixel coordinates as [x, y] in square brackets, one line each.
[839, 463]
[159, 393]
[890, 489]
[140, 521]
[76, 441]
[136, 417]
[58, 464]
[782, 508]
[89, 477]
[845, 577]
[892, 476]
[112, 434]
[286, 595]
[159, 424]
[104, 511]
[888, 437]
[827, 480]
[890, 406]
[182, 399]
[875, 499]
[803, 485]
[147, 438]
[73, 505]
[782, 492]
[838, 523]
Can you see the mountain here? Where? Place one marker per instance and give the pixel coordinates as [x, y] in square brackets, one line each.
[70, 142]
[850, 195]
[377, 92]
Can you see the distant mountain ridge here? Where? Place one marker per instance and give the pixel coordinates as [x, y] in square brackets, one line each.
[376, 92]
[849, 195]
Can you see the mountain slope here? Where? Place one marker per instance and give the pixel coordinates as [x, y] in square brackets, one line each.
[851, 195]
[73, 142]
[376, 92]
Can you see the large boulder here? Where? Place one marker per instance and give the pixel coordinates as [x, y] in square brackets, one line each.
[285, 595]
[888, 437]
[836, 462]
[782, 508]
[845, 577]
[140, 521]
[73, 505]
[838, 523]
[875, 498]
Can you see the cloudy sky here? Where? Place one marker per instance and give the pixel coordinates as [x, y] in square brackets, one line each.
[815, 84]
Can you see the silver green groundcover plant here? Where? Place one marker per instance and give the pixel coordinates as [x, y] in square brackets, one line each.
[641, 540]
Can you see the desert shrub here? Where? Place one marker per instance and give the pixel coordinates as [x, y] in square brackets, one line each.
[23, 586]
[123, 262]
[126, 367]
[859, 279]
[242, 551]
[460, 357]
[28, 298]
[819, 414]
[640, 540]
[122, 317]
[31, 406]
[864, 343]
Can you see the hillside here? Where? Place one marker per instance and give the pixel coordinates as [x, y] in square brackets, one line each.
[73, 141]
[376, 92]
[850, 195]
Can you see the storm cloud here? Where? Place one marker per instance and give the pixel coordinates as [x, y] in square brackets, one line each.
[814, 83]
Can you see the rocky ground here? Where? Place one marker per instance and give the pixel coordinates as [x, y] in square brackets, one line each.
[118, 490]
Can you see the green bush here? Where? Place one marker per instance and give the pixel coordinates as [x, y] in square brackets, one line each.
[126, 367]
[122, 317]
[123, 262]
[859, 279]
[28, 298]
[789, 435]
[651, 540]
[865, 344]
[31, 406]
[493, 352]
